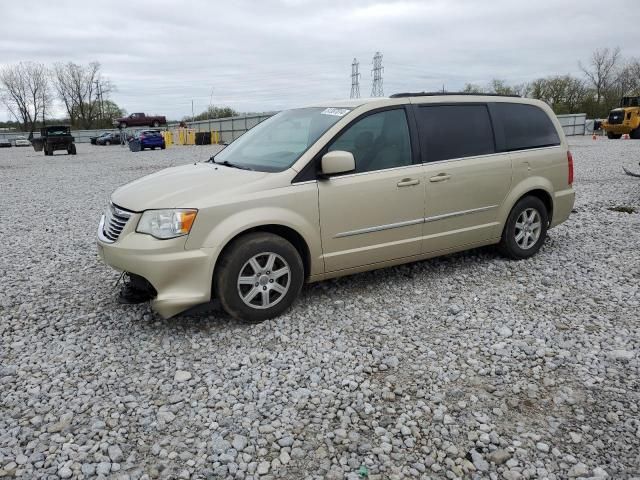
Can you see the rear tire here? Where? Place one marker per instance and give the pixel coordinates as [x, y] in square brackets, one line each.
[155, 124]
[613, 136]
[123, 124]
[525, 230]
[258, 277]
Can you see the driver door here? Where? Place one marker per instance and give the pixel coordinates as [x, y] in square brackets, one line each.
[374, 214]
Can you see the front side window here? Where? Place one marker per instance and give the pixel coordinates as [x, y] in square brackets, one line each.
[455, 131]
[524, 126]
[378, 141]
[275, 144]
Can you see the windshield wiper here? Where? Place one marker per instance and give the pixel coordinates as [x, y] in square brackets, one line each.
[227, 163]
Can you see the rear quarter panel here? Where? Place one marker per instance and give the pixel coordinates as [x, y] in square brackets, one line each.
[543, 169]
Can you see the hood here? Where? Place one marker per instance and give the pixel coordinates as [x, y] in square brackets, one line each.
[183, 187]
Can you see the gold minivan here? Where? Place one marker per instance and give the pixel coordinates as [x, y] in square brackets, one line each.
[339, 188]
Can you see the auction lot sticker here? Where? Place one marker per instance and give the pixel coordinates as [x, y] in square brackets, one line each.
[337, 112]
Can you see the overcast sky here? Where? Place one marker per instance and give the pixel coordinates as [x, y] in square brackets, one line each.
[268, 55]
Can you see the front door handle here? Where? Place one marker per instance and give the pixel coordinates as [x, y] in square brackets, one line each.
[441, 177]
[407, 182]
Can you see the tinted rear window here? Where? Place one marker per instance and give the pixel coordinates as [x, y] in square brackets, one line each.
[524, 126]
[455, 131]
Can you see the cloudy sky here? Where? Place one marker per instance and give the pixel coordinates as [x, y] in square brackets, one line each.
[266, 55]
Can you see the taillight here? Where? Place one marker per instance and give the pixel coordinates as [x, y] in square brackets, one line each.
[570, 165]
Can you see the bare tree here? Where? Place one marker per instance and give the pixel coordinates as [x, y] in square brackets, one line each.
[601, 71]
[472, 88]
[627, 82]
[25, 92]
[81, 89]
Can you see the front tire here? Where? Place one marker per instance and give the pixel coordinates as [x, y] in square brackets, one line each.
[258, 277]
[525, 230]
[155, 124]
[635, 134]
[72, 149]
[613, 136]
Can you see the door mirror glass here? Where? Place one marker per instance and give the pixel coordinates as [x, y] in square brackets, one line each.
[337, 161]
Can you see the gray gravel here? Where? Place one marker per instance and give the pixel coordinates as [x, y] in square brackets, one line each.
[467, 366]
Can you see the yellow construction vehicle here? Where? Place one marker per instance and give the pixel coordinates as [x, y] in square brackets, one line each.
[624, 120]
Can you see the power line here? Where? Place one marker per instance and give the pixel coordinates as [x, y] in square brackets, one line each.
[355, 79]
[376, 87]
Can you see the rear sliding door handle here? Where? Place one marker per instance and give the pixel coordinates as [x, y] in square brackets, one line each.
[441, 177]
[407, 182]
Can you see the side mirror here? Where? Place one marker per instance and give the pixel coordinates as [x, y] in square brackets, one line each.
[336, 162]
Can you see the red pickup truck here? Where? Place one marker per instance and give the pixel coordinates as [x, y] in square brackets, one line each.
[140, 120]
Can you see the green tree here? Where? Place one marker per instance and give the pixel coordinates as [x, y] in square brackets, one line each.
[214, 112]
[564, 93]
[109, 111]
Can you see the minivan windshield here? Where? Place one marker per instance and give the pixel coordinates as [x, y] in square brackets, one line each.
[275, 144]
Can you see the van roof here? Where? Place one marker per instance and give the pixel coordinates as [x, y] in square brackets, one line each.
[397, 98]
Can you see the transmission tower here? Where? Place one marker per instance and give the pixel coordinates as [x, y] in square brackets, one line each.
[355, 79]
[376, 87]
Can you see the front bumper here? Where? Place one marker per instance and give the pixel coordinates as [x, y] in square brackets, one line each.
[181, 277]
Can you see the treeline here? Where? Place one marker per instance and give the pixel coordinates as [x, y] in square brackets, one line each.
[28, 90]
[213, 112]
[606, 78]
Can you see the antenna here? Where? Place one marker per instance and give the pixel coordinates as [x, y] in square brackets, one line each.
[355, 79]
[376, 87]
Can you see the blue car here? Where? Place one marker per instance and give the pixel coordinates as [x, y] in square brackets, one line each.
[150, 139]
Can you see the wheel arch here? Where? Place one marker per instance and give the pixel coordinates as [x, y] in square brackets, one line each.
[286, 232]
[537, 187]
[545, 197]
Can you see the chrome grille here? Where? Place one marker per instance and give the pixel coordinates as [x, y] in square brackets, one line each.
[114, 221]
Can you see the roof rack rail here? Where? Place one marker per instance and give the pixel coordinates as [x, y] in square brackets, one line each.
[438, 94]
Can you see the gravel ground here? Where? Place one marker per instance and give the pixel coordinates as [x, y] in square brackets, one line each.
[467, 366]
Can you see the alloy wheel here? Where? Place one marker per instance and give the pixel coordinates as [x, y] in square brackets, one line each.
[528, 228]
[264, 280]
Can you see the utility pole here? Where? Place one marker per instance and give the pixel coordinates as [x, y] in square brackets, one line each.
[209, 109]
[376, 87]
[355, 79]
[192, 114]
[99, 100]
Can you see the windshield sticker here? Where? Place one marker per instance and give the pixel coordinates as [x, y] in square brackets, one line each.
[336, 112]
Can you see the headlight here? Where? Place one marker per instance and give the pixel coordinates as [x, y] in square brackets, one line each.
[165, 224]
